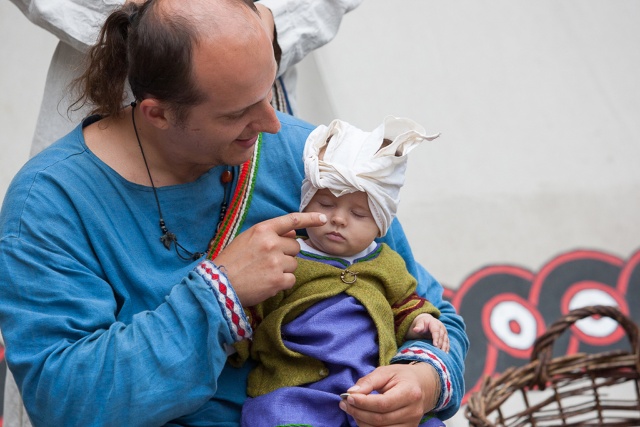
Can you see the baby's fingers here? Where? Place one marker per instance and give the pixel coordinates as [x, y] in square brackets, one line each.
[446, 345]
[439, 336]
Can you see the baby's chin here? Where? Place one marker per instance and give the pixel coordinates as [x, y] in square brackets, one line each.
[331, 248]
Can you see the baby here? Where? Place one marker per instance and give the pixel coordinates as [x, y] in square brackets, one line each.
[354, 302]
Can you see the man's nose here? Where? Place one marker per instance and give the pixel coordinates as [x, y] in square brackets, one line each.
[266, 120]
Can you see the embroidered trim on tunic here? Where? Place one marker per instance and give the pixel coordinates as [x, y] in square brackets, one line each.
[336, 261]
[230, 226]
[404, 308]
[227, 299]
[235, 216]
[416, 353]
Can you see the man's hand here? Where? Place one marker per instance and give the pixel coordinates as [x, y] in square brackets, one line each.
[407, 392]
[260, 261]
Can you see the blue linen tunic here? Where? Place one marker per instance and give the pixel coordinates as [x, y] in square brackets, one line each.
[103, 325]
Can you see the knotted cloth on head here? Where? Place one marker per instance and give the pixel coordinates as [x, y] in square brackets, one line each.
[345, 159]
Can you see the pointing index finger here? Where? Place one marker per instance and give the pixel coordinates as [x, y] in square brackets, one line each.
[295, 221]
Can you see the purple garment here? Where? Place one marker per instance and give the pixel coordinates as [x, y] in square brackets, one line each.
[339, 332]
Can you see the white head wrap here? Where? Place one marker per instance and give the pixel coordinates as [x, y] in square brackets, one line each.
[354, 161]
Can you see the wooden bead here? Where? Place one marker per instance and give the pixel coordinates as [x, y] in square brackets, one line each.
[226, 177]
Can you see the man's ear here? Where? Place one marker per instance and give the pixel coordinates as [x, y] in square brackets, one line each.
[155, 112]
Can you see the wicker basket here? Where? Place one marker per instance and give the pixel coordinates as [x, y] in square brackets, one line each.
[577, 390]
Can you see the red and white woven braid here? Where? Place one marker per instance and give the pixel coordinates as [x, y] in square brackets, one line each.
[416, 353]
[227, 299]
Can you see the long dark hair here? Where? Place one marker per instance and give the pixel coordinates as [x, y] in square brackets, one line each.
[152, 50]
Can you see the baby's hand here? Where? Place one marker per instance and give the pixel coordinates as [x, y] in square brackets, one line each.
[427, 326]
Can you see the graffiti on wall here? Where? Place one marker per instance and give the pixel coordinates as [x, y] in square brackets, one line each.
[506, 308]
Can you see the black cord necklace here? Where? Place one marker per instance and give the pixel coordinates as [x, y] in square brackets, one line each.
[168, 237]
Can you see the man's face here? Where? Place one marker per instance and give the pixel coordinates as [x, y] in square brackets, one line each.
[350, 227]
[236, 75]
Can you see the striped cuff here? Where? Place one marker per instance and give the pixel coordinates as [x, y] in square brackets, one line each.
[230, 305]
[422, 355]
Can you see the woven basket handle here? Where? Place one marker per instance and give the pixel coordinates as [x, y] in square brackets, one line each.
[543, 346]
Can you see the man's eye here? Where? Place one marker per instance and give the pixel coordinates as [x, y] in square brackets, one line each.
[236, 116]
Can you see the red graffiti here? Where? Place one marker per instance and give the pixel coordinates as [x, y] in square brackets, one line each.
[507, 307]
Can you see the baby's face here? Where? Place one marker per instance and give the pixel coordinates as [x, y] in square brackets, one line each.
[350, 227]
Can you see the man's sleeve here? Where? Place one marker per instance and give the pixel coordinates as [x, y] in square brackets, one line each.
[305, 25]
[76, 23]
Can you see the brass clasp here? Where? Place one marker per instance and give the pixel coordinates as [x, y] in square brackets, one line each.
[348, 277]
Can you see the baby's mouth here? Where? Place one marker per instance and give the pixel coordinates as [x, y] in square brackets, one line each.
[334, 235]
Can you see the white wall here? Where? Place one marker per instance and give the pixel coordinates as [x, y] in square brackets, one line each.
[25, 52]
